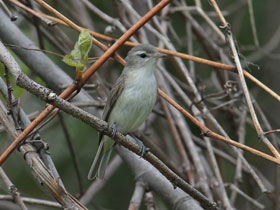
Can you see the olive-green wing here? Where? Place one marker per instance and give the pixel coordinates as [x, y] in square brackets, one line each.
[113, 96]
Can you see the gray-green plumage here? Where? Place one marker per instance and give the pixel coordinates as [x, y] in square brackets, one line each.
[130, 101]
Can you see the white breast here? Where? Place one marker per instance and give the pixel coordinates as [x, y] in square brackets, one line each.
[135, 102]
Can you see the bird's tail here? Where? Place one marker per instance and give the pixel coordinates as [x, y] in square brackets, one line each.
[99, 165]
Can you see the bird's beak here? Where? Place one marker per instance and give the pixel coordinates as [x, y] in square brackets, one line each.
[159, 55]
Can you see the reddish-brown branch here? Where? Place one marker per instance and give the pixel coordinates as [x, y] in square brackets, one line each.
[207, 132]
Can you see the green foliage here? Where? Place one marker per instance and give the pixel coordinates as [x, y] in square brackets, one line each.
[79, 55]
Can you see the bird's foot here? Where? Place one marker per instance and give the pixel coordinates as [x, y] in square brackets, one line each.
[114, 129]
[143, 148]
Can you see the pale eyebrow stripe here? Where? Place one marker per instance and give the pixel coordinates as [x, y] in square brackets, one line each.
[139, 52]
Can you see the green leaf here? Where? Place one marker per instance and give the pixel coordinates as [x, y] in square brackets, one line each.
[79, 55]
[72, 60]
[85, 43]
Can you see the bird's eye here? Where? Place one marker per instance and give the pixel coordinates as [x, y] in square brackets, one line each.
[143, 55]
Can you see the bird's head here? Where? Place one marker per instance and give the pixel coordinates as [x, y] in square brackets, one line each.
[143, 55]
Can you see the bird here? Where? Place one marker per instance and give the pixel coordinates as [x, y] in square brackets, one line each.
[129, 103]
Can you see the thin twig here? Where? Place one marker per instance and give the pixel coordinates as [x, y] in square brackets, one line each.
[241, 132]
[243, 194]
[201, 12]
[33, 12]
[72, 153]
[12, 190]
[253, 23]
[272, 131]
[33, 201]
[136, 199]
[186, 166]
[107, 18]
[6, 9]
[190, 49]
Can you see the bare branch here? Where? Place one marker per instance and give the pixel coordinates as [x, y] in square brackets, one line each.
[33, 201]
[12, 190]
[137, 196]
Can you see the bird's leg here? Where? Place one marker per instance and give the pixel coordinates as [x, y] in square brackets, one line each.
[114, 129]
[143, 148]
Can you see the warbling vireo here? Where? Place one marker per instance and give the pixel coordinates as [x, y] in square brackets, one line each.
[131, 100]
